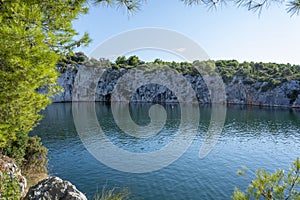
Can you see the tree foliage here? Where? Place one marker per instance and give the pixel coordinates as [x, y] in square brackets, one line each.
[273, 186]
[292, 6]
[272, 73]
[34, 36]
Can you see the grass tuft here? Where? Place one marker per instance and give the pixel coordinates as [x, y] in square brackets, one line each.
[112, 194]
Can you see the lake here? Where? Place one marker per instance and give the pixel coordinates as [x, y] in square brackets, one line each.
[254, 137]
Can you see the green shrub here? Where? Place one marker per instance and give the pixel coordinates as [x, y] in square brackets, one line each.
[116, 67]
[35, 158]
[15, 149]
[133, 61]
[128, 67]
[272, 83]
[121, 60]
[29, 153]
[273, 186]
[9, 187]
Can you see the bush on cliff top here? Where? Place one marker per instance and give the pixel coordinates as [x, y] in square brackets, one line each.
[272, 73]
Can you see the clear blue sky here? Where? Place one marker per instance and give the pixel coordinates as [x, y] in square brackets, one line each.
[225, 33]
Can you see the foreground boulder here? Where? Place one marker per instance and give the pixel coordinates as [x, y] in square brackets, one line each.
[54, 188]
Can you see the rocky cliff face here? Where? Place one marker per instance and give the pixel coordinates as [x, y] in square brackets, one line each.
[242, 91]
[249, 92]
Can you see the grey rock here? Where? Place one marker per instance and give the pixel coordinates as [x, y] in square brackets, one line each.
[296, 103]
[54, 188]
[242, 91]
[248, 80]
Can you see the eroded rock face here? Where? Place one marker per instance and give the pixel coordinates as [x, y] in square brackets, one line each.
[8, 166]
[54, 188]
[146, 93]
[258, 93]
[241, 91]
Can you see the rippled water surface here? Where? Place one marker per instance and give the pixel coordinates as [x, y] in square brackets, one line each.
[254, 137]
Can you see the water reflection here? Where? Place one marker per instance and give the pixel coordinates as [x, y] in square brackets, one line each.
[114, 155]
[254, 137]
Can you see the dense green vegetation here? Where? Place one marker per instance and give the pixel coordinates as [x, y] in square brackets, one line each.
[262, 72]
[279, 185]
[272, 73]
[9, 188]
[33, 36]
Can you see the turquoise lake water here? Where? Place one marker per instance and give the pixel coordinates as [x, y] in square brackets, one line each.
[253, 137]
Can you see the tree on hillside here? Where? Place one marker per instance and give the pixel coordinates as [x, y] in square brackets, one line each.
[133, 60]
